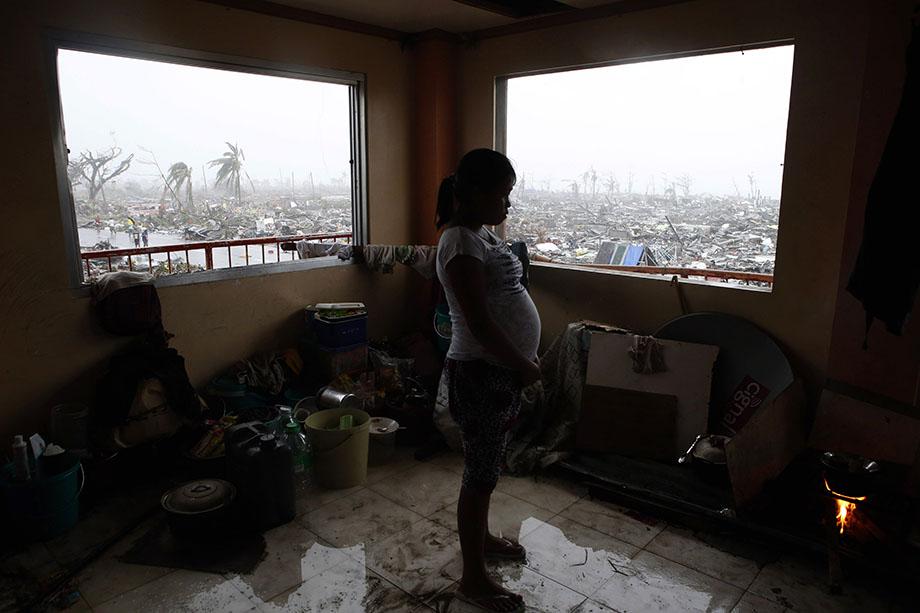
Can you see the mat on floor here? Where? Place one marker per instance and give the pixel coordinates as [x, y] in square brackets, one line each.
[234, 553]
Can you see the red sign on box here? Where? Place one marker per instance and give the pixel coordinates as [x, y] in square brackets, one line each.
[749, 395]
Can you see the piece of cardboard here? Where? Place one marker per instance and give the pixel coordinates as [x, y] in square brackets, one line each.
[688, 378]
[771, 439]
[851, 425]
[627, 422]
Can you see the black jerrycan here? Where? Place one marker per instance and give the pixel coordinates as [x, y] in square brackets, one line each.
[261, 466]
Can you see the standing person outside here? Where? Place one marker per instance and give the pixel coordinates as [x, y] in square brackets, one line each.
[144, 237]
[495, 331]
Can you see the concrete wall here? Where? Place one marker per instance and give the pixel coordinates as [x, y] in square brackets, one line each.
[827, 89]
[51, 348]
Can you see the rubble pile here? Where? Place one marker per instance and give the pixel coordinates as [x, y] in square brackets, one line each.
[697, 231]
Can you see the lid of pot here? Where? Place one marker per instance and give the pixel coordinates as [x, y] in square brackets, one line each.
[383, 425]
[199, 496]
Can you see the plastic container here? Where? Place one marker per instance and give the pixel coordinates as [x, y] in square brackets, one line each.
[22, 469]
[382, 442]
[285, 417]
[261, 467]
[342, 332]
[300, 448]
[44, 507]
[339, 456]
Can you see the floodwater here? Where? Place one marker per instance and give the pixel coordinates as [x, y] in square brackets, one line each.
[222, 256]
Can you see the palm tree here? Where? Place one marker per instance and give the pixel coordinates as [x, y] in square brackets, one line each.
[179, 175]
[230, 169]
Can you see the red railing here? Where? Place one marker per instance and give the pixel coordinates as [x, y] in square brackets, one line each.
[207, 246]
[706, 274]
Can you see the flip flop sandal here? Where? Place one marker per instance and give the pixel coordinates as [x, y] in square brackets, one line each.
[480, 604]
[514, 551]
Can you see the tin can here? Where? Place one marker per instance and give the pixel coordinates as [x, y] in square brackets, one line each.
[329, 398]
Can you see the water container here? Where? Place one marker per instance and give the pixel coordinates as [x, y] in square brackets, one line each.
[44, 507]
[339, 456]
[260, 465]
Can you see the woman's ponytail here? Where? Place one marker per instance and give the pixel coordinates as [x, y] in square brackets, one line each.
[445, 202]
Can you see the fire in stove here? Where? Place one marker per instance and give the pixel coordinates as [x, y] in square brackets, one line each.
[846, 505]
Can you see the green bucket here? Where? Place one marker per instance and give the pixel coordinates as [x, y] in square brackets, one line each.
[44, 507]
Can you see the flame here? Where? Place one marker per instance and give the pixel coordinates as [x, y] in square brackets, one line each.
[843, 513]
[845, 506]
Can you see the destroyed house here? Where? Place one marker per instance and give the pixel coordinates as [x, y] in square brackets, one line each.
[624, 254]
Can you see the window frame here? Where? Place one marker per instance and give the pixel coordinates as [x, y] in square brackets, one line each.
[500, 141]
[55, 40]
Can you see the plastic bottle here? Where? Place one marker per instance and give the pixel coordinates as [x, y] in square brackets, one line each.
[285, 417]
[21, 467]
[300, 448]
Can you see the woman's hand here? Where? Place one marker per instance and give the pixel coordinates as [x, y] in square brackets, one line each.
[531, 373]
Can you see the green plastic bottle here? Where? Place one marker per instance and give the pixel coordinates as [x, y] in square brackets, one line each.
[301, 449]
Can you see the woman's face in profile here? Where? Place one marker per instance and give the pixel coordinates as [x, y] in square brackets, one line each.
[491, 207]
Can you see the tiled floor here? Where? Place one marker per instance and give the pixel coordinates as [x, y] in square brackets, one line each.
[392, 546]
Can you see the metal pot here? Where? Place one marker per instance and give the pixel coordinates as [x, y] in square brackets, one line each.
[199, 509]
[850, 475]
[708, 457]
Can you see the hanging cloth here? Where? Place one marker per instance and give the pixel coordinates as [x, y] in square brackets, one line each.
[887, 271]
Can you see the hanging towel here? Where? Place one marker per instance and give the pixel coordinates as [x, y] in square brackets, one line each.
[887, 271]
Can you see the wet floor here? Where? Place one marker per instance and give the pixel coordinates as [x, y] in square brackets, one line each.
[391, 546]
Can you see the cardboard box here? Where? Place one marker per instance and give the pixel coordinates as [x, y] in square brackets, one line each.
[766, 445]
[639, 424]
[665, 409]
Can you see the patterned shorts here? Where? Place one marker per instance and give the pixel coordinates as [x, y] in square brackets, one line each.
[484, 401]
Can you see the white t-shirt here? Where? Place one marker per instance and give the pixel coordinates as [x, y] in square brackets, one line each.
[508, 302]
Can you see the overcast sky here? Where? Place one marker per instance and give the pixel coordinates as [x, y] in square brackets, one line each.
[185, 113]
[714, 117]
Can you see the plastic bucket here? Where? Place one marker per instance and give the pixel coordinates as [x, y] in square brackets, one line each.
[382, 440]
[339, 456]
[43, 507]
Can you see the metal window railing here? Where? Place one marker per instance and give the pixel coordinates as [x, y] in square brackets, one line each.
[96, 262]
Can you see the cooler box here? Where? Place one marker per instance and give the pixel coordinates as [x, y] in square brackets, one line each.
[338, 328]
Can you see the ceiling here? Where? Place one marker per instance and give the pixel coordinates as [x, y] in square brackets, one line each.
[418, 15]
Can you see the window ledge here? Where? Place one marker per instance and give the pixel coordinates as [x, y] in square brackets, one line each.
[232, 274]
[652, 277]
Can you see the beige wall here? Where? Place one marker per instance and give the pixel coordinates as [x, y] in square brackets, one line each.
[51, 348]
[827, 89]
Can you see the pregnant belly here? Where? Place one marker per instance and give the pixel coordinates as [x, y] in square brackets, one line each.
[518, 317]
